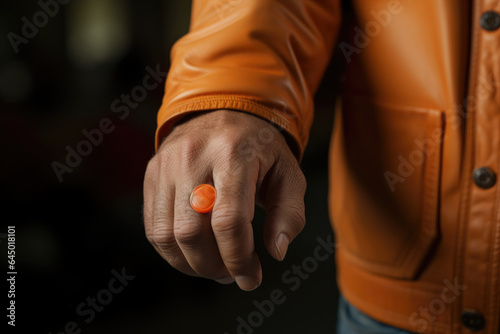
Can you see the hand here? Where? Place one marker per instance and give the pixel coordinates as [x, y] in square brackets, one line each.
[223, 148]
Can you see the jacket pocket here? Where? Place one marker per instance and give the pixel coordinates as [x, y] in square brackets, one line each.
[385, 185]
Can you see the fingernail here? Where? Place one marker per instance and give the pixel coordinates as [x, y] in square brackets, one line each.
[227, 280]
[247, 283]
[282, 243]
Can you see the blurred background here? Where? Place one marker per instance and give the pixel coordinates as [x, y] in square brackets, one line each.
[77, 231]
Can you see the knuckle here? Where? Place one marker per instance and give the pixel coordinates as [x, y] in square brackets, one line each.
[189, 148]
[230, 142]
[187, 232]
[160, 214]
[163, 239]
[230, 223]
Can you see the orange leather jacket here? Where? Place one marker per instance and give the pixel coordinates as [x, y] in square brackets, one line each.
[414, 198]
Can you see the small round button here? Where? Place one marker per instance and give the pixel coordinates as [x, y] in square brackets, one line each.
[490, 21]
[472, 320]
[203, 198]
[484, 177]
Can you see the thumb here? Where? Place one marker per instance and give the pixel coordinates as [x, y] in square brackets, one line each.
[284, 204]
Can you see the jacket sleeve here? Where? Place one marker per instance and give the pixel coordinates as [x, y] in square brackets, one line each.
[264, 57]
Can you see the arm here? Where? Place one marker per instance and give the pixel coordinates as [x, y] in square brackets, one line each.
[263, 58]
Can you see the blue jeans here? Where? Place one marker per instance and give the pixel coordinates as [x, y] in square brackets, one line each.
[352, 321]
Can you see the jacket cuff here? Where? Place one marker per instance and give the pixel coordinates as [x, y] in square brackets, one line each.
[278, 117]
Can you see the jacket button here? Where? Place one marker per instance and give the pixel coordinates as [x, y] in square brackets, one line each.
[490, 21]
[472, 320]
[484, 177]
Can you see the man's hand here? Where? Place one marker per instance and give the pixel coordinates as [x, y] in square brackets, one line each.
[214, 148]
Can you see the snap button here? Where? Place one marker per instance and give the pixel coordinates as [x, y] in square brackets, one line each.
[472, 320]
[484, 177]
[490, 21]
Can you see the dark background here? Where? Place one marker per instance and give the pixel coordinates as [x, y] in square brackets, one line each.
[72, 234]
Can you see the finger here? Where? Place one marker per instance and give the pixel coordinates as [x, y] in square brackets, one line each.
[232, 223]
[159, 195]
[284, 204]
[194, 235]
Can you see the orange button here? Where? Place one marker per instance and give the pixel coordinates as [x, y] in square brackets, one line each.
[203, 198]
